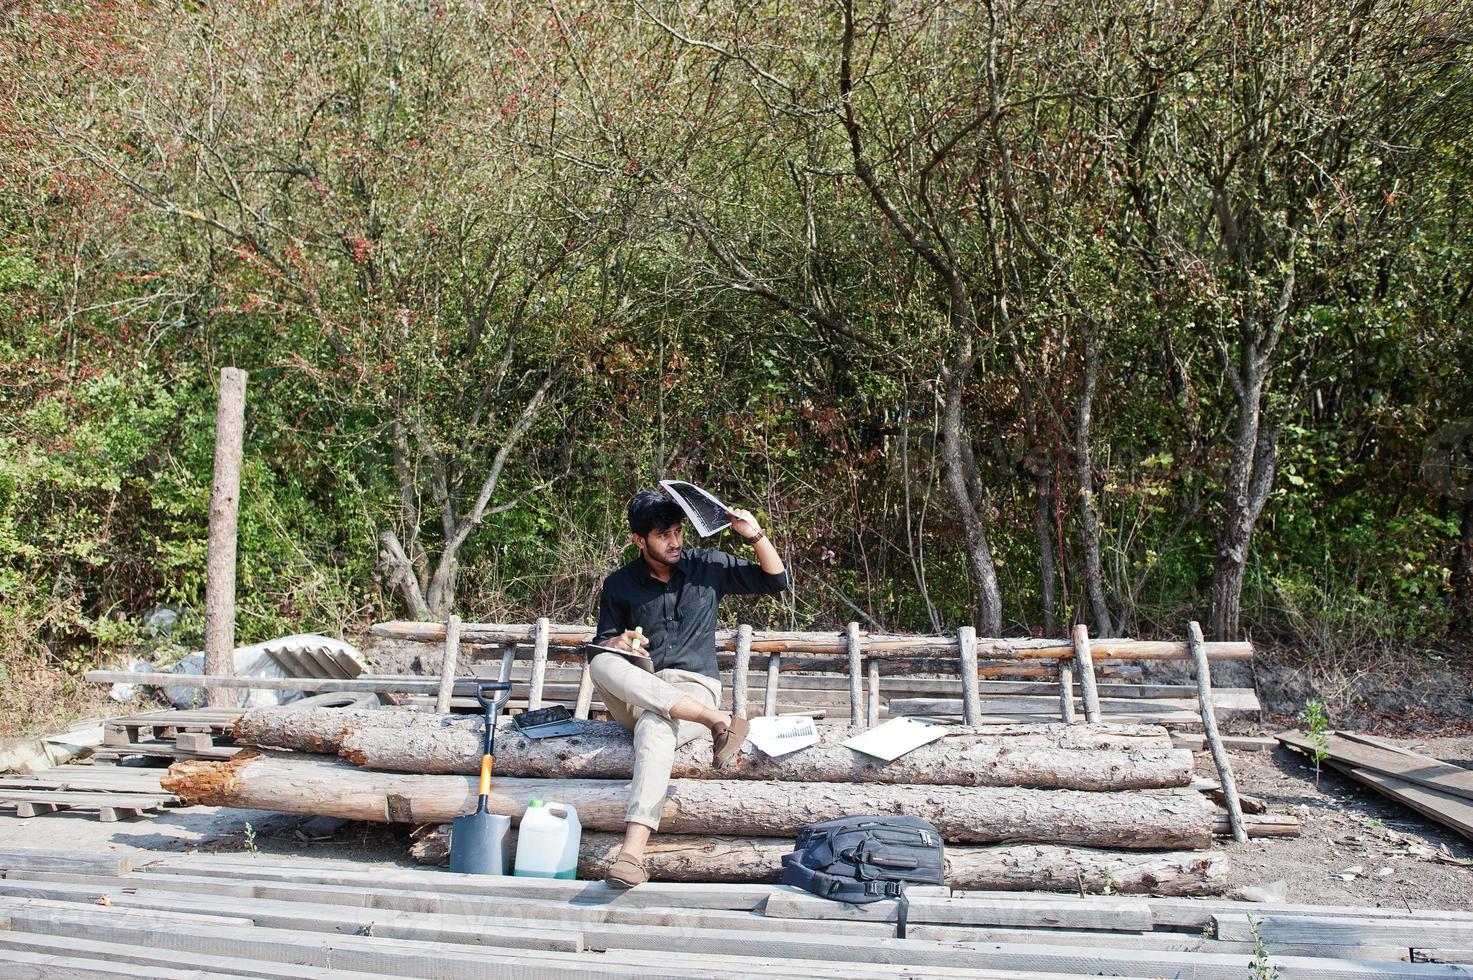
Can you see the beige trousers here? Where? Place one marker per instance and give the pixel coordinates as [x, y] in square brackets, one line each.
[641, 702]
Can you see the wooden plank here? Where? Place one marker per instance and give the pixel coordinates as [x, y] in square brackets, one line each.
[460, 920]
[168, 750]
[25, 964]
[925, 907]
[1275, 927]
[1047, 707]
[764, 966]
[1439, 776]
[1450, 811]
[676, 894]
[84, 798]
[1173, 941]
[97, 863]
[276, 907]
[1390, 746]
[420, 685]
[1238, 743]
[888, 646]
[318, 952]
[164, 963]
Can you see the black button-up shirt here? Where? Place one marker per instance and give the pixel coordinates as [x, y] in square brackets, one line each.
[679, 616]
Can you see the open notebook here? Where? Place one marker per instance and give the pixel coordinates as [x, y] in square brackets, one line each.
[706, 513]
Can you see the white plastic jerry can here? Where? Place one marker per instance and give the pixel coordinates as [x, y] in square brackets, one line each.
[547, 841]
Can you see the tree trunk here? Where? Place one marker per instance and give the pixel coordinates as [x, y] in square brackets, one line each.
[224, 518]
[981, 815]
[1250, 477]
[1043, 532]
[961, 479]
[1015, 867]
[605, 751]
[1462, 570]
[1089, 515]
[321, 730]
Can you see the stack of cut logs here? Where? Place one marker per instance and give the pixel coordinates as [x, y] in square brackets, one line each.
[1092, 807]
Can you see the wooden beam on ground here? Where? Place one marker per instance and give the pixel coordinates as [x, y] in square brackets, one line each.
[1391, 761]
[96, 863]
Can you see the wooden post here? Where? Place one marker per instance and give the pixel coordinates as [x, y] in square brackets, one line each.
[856, 676]
[539, 663]
[1086, 664]
[448, 663]
[224, 517]
[769, 697]
[874, 693]
[739, 672]
[1066, 692]
[585, 694]
[1209, 732]
[966, 641]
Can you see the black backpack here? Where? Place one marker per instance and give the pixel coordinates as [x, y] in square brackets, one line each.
[864, 859]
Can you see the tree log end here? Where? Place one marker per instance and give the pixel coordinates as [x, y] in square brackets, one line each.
[203, 782]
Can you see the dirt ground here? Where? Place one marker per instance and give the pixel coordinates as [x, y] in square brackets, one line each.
[1355, 847]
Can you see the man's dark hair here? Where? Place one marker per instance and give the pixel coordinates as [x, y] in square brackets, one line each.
[651, 510]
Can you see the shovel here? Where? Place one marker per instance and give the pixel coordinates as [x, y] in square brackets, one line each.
[478, 840]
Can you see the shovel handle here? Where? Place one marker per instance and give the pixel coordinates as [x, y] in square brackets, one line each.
[485, 775]
[501, 688]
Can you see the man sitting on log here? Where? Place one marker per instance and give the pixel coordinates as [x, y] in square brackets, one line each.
[669, 693]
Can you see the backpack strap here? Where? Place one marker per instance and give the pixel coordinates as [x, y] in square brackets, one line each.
[808, 879]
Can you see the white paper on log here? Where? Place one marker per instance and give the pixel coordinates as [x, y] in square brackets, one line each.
[782, 735]
[894, 738]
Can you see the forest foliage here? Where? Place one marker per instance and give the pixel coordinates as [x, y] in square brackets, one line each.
[1013, 313]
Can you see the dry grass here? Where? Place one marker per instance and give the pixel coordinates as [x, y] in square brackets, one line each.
[39, 696]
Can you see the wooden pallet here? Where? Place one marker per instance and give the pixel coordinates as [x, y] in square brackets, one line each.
[200, 733]
[96, 915]
[110, 806]
[111, 792]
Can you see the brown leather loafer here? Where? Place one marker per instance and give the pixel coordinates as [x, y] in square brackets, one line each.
[728, 740]
[625, 872]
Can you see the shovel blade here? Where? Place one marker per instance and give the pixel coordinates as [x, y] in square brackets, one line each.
[478, 844]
